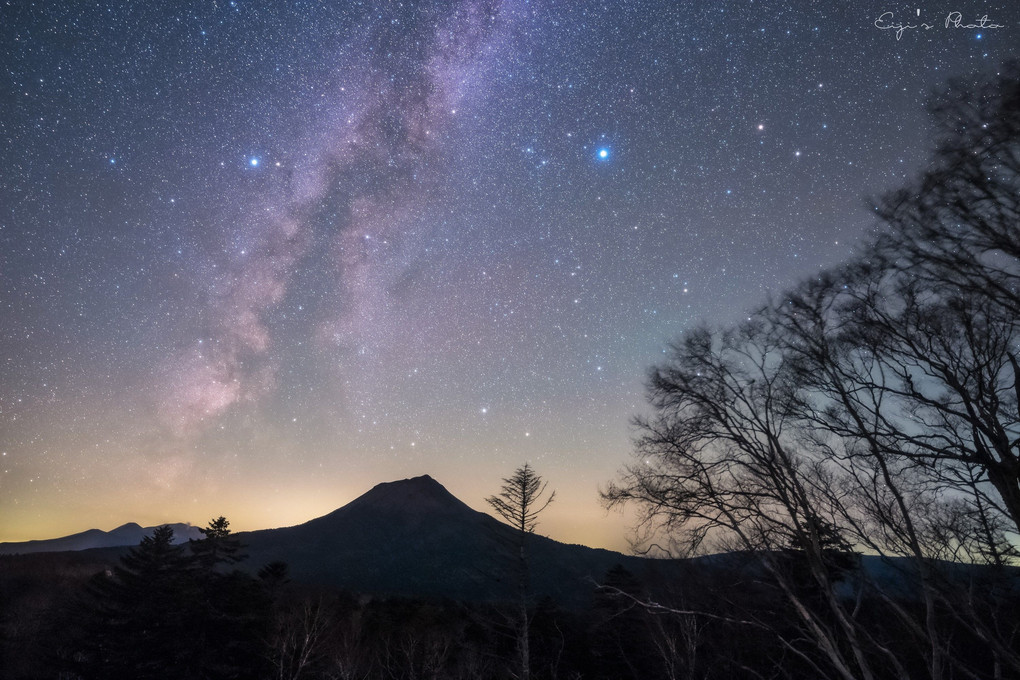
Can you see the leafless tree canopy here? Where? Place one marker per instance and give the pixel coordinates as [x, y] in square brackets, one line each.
[874, 408]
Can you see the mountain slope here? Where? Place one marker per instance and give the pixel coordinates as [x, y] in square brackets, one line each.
[413, 537]
[410, 537]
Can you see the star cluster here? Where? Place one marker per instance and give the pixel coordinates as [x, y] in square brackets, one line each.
[254, 259]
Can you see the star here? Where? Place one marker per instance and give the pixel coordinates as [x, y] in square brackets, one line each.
[439, 162]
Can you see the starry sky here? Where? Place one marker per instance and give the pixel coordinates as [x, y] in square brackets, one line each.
[257, 257]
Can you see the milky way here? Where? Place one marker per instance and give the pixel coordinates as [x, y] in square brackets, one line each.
[255, 260]
[362, 188]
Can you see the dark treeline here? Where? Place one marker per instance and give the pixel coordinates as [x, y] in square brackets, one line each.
[167, 611]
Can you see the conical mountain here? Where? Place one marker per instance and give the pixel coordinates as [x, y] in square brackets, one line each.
[413, 537]
[409, 499]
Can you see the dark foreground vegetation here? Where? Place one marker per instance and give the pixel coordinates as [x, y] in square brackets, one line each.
[182, 611]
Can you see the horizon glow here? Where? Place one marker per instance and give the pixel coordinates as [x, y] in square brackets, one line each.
[425, 269]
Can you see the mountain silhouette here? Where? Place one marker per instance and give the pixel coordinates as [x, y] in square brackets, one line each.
[413, 537]
[410, 537]
[126, 534]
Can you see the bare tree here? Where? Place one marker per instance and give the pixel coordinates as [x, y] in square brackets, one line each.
[958, 224]
[298, 638]
[949, 259]
[875, 407]
[520, 501]
[908, 487]
[416, 654]
[719, 463]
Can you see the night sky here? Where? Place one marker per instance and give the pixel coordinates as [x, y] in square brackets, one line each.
[258, 257]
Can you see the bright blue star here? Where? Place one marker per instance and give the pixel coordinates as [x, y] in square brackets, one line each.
[603, 153]
[253, 162]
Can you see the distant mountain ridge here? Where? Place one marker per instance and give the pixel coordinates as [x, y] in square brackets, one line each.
[126, 534]
[408, 537]
[414, 538]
